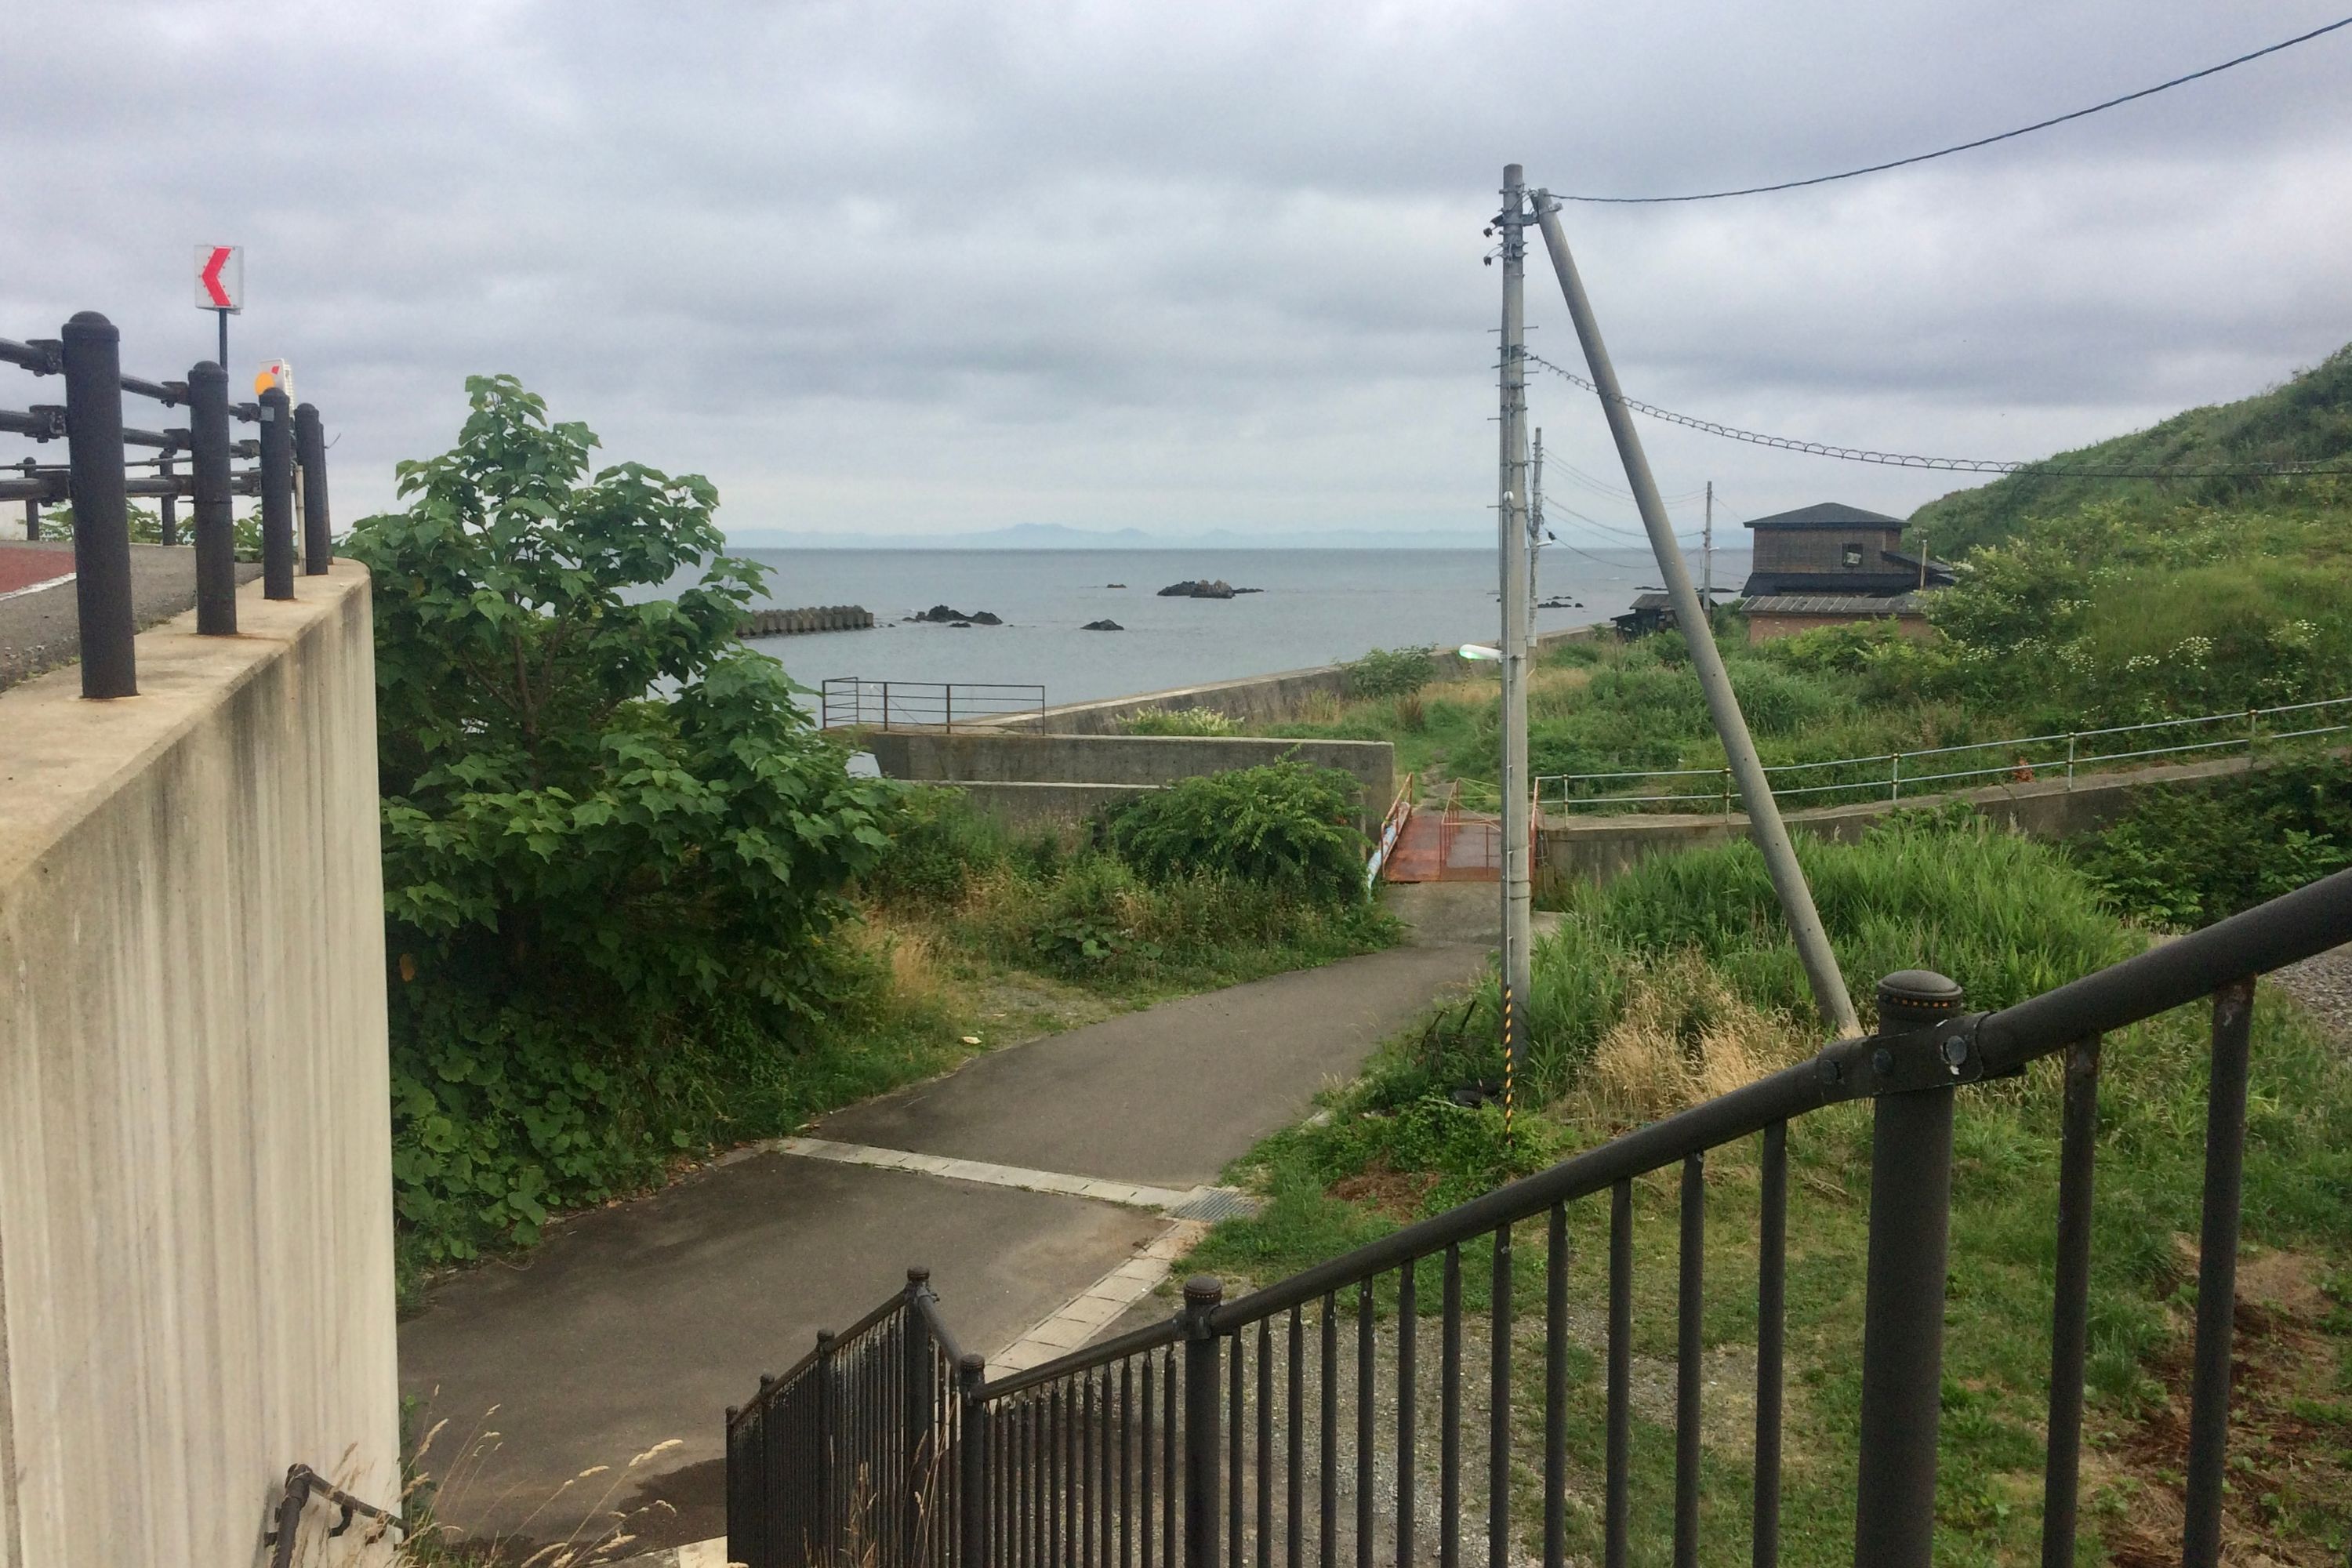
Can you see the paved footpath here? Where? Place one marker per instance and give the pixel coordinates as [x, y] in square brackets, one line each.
[1045, 1186]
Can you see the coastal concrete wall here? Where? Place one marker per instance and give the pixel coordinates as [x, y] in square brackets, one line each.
[1599, 848]
[985, 757]
[1258, 699]
[195, 1163]
[1033, 807]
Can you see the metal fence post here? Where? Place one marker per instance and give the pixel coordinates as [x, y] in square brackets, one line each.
[93, 365]
[310, 452]
[2217, 1274]
[277, 496]
[2070, 761]
[824, 1537]
[1902, 1311]
[1895, 782]
[921, 1418]
[213, 528]
[1202, 1458]
[971, 1466]
[170, 505]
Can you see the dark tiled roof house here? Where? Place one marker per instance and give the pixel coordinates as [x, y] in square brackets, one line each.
[1830, 563]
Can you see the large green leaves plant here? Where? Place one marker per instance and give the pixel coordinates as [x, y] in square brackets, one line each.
[605, 823]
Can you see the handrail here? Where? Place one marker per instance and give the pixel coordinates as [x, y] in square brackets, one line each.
[2286, 931]
[1894, 779]
[1086, 1358]
[1049, 1443]
[302, 1483]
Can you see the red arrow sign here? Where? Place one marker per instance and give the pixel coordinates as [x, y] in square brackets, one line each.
[220, 278]
[210, 277]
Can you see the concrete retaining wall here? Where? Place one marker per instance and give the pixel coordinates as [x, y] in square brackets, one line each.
[1258, 699]
[987, 758]
[195, 1163]
[1598, 848]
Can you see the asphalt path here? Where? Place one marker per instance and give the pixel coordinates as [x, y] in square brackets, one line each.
[642, 1322]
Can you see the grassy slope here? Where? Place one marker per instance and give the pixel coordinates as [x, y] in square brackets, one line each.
[1647, 1009]
[2308, 418]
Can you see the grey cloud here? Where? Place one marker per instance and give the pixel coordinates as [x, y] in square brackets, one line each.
[931, 266]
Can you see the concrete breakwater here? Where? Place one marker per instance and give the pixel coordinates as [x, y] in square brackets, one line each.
[1257, 699]
[793, 623]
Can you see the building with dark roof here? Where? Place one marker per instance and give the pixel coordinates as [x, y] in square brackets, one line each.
[1832, 548]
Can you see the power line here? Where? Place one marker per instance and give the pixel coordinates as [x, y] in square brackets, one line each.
[1965, 146]
[2040, 466]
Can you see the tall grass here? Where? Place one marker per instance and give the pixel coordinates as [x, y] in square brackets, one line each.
[2005, 917]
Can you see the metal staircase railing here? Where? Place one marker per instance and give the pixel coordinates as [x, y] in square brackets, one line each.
[1219, 1436]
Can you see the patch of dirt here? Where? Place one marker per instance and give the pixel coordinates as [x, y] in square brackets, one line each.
[2287, 1456]
[1393, 1193]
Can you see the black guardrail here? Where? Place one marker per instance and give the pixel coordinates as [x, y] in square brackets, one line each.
[96, 479]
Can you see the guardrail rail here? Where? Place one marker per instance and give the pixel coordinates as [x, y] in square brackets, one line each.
[1886, 776]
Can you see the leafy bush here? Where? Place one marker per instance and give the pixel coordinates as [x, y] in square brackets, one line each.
[939, 848]
[607, 907]
[2187, 857]
[1287, 826]
[1180, 721]
[1391, 672]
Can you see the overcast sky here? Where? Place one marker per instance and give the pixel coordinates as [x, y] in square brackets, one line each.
[920, 268]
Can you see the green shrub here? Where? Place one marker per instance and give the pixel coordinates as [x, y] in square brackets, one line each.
[607, 908]
[1391, 672]
[1180, 721]
[2186, 857]
[1287, 826]
[938, 847]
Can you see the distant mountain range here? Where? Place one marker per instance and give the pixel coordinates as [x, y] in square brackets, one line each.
[1056, 536]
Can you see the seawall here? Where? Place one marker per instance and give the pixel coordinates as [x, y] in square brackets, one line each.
[195, 1159]
[1256, 699]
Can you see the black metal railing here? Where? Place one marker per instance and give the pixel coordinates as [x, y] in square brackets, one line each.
[849, 703]
[1188, 1441]
[289, 451]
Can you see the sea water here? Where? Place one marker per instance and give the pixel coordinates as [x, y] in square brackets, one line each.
[1317, 607]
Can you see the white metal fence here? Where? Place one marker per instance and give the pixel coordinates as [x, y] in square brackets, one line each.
[1888, 776]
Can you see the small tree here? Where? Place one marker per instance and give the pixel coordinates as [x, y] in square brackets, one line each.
[605, 823]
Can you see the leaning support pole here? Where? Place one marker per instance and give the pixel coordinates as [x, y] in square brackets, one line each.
[1755, 793]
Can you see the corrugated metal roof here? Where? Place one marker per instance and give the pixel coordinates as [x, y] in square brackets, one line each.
[1825, 514]
[1831, 604]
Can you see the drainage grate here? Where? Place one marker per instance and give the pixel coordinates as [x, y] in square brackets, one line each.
[1215, 1204]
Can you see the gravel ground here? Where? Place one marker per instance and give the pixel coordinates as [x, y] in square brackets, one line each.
[2324, 984]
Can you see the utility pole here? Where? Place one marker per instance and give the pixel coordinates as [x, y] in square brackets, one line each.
[1512, 548]
[1707, 558]
[1535, 532]
[1764, 822]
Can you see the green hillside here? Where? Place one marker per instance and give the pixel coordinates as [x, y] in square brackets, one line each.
[2307, 420]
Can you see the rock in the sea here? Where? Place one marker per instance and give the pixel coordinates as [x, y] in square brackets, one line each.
[947, 615]
[1102, 626]
[986, 618]
[1201, 588]
[1114, 584]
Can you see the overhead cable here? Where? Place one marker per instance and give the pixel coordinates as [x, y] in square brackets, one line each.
[1964, 146]
[2041, 466]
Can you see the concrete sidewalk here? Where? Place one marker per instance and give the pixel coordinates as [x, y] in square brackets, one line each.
[641, 1323]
